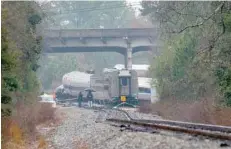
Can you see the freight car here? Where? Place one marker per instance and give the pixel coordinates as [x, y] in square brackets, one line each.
[72, 84]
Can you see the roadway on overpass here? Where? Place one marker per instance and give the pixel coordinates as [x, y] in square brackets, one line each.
[125, 41]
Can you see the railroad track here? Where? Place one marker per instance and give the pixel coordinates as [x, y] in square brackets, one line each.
[213, 131]
[210, 131]
[112, 114]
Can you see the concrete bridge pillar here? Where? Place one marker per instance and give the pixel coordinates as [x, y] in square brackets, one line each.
[126, 60]
[129, 58]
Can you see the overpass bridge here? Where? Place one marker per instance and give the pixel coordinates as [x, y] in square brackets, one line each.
[125, 41]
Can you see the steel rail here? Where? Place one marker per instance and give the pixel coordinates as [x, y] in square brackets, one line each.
[189, 125]
[124, 112]
[213, 131]
[115, 109]
[209, 127]
[212, 134]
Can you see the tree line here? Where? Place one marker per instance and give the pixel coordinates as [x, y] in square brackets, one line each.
[21, 50]
[195, 61]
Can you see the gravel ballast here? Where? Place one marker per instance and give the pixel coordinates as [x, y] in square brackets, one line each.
[80, 124]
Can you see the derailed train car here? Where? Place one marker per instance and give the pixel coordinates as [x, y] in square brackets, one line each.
[113, 85]
[73, 83]
[107, 84]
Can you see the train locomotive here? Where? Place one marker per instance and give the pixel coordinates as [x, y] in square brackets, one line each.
[115, 86]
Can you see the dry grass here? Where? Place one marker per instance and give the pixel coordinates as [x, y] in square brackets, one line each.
[203, 111]
[29, 116]
[20, 129]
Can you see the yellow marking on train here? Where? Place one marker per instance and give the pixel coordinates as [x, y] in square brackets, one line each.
[123, 98]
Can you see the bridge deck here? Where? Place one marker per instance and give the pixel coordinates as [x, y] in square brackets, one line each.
[120, 32]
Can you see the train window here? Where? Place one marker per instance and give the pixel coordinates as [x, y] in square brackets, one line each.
[144, 90]
[124, 81]
[141, 90]
[147, 90]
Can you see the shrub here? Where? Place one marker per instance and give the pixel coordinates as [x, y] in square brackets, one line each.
[201, 111]
[21, 126]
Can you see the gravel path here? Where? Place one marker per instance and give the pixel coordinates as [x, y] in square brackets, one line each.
[79, 130]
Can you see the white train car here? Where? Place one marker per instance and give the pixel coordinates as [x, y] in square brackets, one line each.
[146, 93]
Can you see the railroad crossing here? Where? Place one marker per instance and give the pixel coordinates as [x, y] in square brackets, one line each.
[125, 41]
